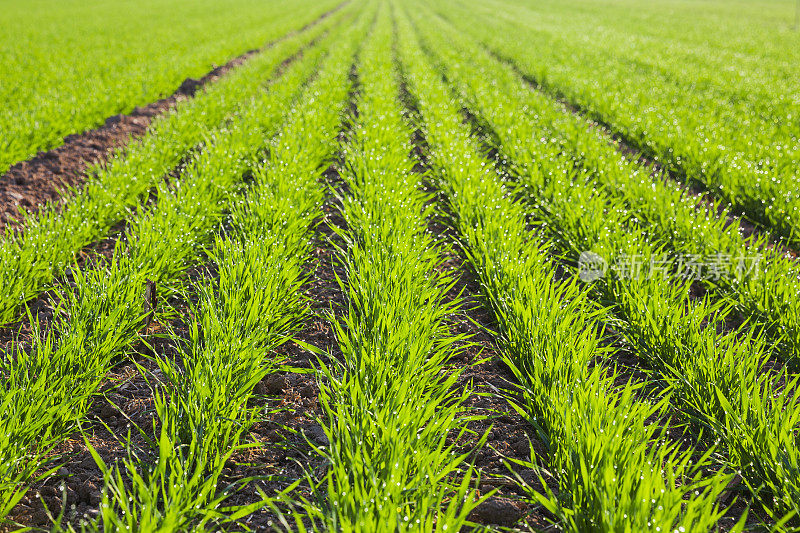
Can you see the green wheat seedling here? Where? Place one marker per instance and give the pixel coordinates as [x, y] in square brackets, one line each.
[253, 305]
[720, 382]
[573, 159]
[390, 411]
[747, 153]
[202, 404]
[679, 338]
[528, 141]
[594, 432]
[709, 375]
[582, 216]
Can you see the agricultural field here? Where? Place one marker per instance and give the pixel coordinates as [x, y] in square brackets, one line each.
[394, 265]
[67, 66]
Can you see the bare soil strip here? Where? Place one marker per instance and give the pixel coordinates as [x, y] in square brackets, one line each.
[46, 176]
[289, 400]
[125, 402]
[509, 436]
[291, 408]
[291, 423]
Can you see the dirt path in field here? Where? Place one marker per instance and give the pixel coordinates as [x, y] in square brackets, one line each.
[295, 413]
[47, 176]
[509, 435]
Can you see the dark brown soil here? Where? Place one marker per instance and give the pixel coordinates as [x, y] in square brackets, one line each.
[509, 436]
[125, 402]
[76, 487]
[47, 176]
[293, 424]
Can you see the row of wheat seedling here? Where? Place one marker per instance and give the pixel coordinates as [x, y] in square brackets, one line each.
[389, 411]
[761, 281]
[250, 305]
[29, 261]
[742, 147]
[716, 380]
[48, 388]
[614, 469]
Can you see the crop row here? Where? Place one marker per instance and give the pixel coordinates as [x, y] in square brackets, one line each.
[717, 381]
[50, 386]
[389, 409]
[250, 305]
[614, 469]
[29, 261]
[760, 281]
[579, 255]
[733, 137]
[62, 79]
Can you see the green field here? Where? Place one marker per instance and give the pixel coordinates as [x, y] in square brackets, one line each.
[707, 89]
[66, 66]
[416, 266]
